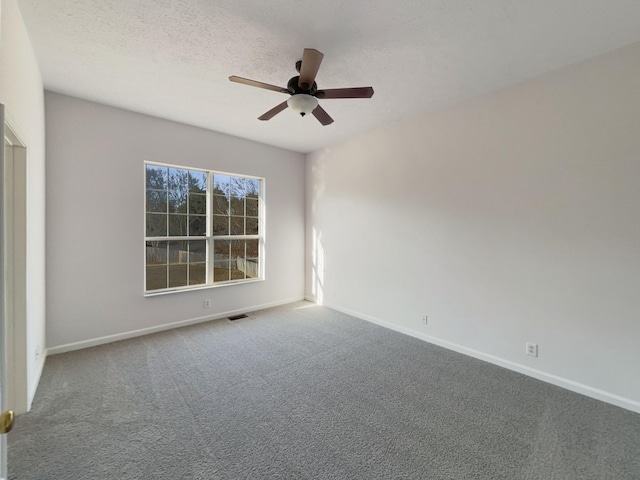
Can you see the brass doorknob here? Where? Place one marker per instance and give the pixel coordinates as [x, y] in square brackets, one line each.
[6, 422]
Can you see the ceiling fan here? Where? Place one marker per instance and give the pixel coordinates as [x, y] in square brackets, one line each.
[304, 90]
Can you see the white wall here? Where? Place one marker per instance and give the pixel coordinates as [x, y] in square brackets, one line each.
[22, 94]
[95, 221]
[511, 218]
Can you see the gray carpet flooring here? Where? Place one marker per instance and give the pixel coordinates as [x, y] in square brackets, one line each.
[304, 392]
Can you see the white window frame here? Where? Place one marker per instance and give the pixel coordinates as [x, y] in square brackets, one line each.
[209, 238]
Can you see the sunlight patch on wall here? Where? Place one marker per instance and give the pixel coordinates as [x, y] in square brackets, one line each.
[317, 268]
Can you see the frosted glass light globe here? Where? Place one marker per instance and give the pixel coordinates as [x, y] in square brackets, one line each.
[302, 103]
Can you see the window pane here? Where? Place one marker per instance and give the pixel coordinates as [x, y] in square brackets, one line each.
[197, 273]
[157, 253]
[156, 177]
[197, 204]
[178, 201]
[177, 275]
[237, 187]
[156, 277]
[236, 272]
[197, 262]
[221, 250]
[178, 226]
[252, 207]
[252, 248]
[156, 225]
[178, 188]
[178, 179]
[252, 187]
[220, 225]
[221, 262]
[221, 185]
[220, 205]
[197, 226]
[197, 182]
[178, 252]
[251, 267]
[197, 251]
[252, 226]
[237, 206]
[237, 259]
[237, 225]
[156, 201]
[238, 248]
[220, 274]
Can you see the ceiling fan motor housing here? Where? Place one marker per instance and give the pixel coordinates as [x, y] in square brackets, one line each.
[295, 89]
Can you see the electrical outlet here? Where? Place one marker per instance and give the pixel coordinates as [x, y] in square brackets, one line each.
[532, 349]
[425, 319]
[207, 303]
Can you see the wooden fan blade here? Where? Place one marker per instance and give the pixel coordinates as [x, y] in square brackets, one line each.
[273, 112]
[356, 92]
[253, 83]
[311, 60]
[322, 116]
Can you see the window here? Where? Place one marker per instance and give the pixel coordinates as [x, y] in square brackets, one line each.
[203, 228]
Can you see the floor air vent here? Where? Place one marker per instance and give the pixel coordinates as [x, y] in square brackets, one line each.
[237, 317]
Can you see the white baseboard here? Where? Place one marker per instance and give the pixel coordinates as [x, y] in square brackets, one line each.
[586, 390]
[69, 347]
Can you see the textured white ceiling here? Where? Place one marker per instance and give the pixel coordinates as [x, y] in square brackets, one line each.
[172, 58]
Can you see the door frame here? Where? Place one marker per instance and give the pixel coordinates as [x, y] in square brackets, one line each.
[13, 275]
[3, 331]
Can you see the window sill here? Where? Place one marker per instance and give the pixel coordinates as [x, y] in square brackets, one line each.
[169, 291]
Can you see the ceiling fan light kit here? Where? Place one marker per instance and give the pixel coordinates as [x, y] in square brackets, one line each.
[304, 90]
[302, 103]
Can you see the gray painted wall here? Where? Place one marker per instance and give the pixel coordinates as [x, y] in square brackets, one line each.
[95, 227]
[508, 219]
